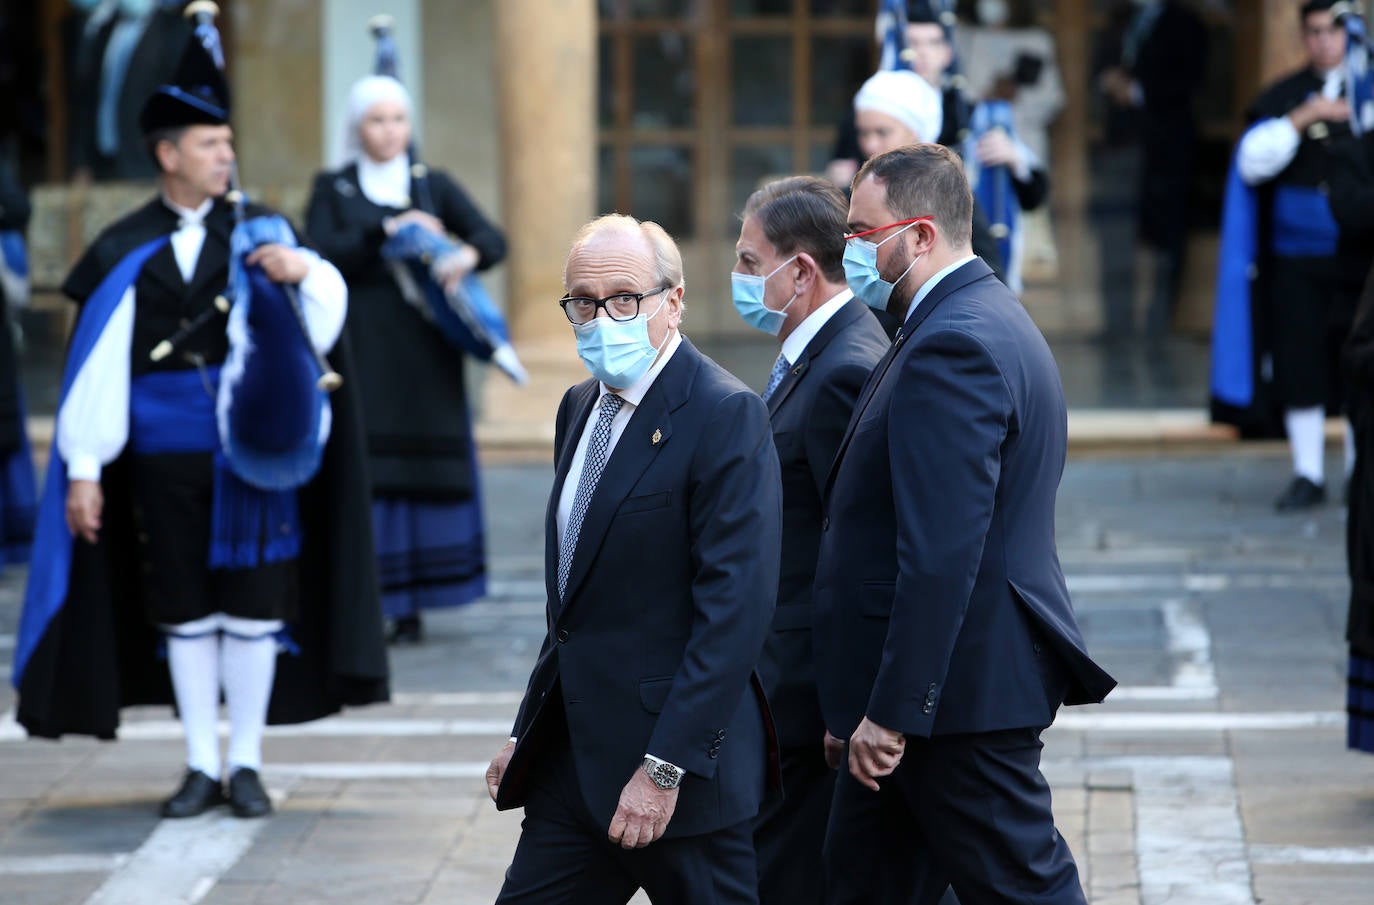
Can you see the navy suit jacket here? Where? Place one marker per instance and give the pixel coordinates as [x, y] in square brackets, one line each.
[671, 591]
[810, 409]
[940, 605]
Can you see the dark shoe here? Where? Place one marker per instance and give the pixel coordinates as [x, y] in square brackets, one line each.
[198, 793]
[1301, 494]
[406, 630]
[246, 795]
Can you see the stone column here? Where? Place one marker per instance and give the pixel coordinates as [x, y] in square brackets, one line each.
[274, 58]
[1281, 49]
[545, 65]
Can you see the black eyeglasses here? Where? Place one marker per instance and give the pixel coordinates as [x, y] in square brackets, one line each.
[623, 306]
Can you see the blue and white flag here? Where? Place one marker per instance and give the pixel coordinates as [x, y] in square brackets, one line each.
[1359, 80]
[891, 33]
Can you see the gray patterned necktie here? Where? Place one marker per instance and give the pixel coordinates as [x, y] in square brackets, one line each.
[592, 465]
[776, 375]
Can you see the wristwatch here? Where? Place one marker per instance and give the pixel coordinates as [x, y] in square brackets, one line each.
[663, 774]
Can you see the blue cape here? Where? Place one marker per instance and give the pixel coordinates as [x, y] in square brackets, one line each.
[50, 568]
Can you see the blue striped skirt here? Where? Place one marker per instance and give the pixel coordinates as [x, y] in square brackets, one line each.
[429, 554]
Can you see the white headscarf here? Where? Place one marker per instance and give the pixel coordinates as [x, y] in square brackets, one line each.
[908, 98]
[387, 182]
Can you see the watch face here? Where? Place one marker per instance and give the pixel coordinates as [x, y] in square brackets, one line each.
[664, 776]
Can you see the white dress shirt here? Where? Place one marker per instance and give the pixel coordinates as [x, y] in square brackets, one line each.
[93, 421]
[633, 396]
[1270, 146]
[931, 283]
[800, 338]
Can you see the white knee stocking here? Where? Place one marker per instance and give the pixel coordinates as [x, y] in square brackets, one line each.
[194, 664]
[248, 666]
[1306, 440]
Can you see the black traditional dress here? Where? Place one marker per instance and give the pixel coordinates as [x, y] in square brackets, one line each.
[426, 501]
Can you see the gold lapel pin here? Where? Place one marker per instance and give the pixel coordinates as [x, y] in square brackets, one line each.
[658, 436]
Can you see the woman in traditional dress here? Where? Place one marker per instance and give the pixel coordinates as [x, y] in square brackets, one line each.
[426, 502]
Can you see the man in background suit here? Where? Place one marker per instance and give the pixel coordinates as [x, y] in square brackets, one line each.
[643, 747]
[945, 639]
[789, 281]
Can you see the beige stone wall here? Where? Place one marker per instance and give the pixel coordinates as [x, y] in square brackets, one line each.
[275, 63]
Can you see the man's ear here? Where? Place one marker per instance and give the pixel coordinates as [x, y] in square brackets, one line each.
[165, 151]
[806, 271]
[925, 235]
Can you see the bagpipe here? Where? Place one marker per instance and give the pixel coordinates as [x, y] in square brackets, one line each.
[464, 314]
[272, 406]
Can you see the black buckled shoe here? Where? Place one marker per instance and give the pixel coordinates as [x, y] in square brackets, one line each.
[198, 794]
[1302, 493]
[247, 797]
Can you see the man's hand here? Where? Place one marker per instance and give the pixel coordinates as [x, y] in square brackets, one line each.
[85, 501]
[422, 218]
[497, 770]
[873, 752]
[834, 751]
[643, 812]
[1319, 109]
[281, 264]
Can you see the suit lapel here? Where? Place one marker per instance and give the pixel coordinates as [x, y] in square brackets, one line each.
[789, 380]
[648, 432]
[973, 270]
[848, 313]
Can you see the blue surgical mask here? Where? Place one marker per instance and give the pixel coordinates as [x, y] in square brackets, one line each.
[746, 291]
[861, 271]
[617, 353]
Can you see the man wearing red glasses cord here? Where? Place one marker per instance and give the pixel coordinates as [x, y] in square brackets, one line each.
[944, 636]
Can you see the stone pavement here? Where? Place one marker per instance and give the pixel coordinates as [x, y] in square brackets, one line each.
[1217, 774]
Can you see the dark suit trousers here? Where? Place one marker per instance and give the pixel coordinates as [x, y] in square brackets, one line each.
[790, 830]
[564, 857]
[967, 811]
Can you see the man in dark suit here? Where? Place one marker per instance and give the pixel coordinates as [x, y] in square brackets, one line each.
[789, 281]
[945, 639]
[643, 748]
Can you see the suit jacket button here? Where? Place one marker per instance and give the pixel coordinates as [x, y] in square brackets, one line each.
[825, 523]
[713, 753]
[563, 635]
[927, 708]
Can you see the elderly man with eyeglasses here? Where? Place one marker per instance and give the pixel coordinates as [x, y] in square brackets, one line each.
[643, 747]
